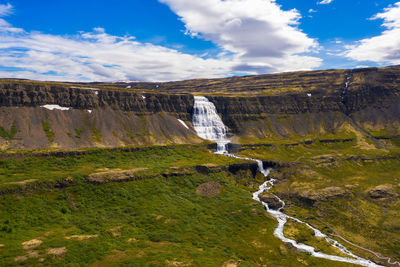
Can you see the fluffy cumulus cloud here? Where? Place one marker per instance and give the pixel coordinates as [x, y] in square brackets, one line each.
[384, 48]
[263, 37]
[255, 36]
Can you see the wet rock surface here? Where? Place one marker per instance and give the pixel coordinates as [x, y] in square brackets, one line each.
[271, 200]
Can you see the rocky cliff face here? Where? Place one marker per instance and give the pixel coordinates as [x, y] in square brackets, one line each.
[23, 94]
[374, 108]
[370, 102]
[265, 107]
[100, 118]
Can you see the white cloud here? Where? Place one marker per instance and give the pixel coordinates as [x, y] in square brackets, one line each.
[6, 10]
[325, 2]
[98, 56]
[255, 36]
[384, 48]
[263, 36]
[312, 10]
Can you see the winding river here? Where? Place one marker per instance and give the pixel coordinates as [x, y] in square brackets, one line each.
[209, 126]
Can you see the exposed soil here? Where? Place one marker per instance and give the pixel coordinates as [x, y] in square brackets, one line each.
[23, 182]
[209, 189]
[31, 244]
[116, 175]
[56, 251]
[81, 237]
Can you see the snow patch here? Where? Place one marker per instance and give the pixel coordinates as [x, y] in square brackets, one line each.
[183, 123]
[89, 110]
[52, 107]
[309, 95]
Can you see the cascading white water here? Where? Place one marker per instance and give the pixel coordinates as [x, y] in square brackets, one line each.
[283, 218]
[209, 126]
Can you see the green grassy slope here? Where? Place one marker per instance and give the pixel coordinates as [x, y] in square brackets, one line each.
[153, 222]
[342, 189]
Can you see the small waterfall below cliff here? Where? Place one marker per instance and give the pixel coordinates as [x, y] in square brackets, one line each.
[208, 124]
[343, 93]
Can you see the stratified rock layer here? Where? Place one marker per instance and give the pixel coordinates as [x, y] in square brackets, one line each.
[276, 106]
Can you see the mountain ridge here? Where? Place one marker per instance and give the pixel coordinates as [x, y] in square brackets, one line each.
[275, 106]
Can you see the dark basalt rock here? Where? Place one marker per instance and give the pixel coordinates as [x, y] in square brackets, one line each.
[384, 191]
[235, 168]
[271, 200]
[19, 94]
[326, 141]
[309, 198]
[252, 107]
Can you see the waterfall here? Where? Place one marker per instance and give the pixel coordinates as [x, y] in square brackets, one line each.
[208, 124]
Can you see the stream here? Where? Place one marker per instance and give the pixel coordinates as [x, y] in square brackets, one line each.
[209, 126]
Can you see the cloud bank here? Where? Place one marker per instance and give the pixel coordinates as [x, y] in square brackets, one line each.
[255, 36]
[384, 48]
[264, 37]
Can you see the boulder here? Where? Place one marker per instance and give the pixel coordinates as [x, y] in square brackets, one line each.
[272, 201]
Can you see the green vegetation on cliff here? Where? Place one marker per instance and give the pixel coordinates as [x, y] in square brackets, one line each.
[9, 135]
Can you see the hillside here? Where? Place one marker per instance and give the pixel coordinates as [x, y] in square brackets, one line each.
[100, 174]
[299, 105]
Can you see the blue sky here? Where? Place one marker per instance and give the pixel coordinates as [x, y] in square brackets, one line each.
[160, 40]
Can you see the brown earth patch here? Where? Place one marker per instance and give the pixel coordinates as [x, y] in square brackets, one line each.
[304, 262]
[159, 217]
[116, 231]
[56, 251]
[175, 263]
[210, 165]
[24, 182]
[31, 244]
[383, 191]
[258, 244]
[80, 237]
[116, 175]
[231, 263]
[209, 189]
[31, 254]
